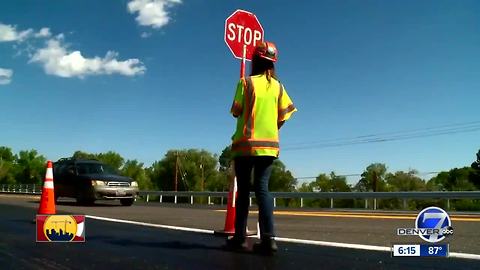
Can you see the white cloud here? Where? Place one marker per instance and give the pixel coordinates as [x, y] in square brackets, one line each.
[10, 33]
[58, 60]
[145, 35]
[43, 33]
[152, 12]
[5, 76]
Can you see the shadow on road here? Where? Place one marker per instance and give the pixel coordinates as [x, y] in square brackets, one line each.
[166, 245]
[74, 203]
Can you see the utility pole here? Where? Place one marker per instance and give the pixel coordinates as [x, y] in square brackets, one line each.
[374, 181]
[176, 172]
[203, 179]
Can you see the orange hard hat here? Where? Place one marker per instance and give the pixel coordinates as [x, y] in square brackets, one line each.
[267, 50]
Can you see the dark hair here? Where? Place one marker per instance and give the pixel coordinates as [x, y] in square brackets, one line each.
[262, 66]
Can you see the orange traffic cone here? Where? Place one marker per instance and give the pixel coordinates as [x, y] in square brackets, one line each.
[47, 201]
[229, 228]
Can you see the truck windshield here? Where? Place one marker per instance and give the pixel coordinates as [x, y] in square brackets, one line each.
[94, 168]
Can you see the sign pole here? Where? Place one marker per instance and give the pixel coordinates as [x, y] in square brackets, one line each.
[242, 29]
[242, 63]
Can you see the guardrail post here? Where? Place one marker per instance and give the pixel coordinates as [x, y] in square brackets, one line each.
[209, 200]
[250, 201]
[274, 202]
[175, 199]
[404, 204]
[148, 197]
[161, 198]
[366, 203]
[374, 203]
[191, 199]
[448, 204]
[301, 202]
[331, 202]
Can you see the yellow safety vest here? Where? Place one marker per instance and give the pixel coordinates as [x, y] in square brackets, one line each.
[259, 105]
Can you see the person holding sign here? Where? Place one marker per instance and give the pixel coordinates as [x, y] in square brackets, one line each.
[261, 106]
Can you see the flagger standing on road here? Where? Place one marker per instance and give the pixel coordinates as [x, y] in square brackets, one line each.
[261, 106]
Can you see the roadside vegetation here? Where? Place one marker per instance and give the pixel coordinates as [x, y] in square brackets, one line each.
[200, 170]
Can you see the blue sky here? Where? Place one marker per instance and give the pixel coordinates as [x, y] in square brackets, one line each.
[142, 77]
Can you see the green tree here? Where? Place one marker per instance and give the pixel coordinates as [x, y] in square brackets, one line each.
[161, 173]
[457, 179]
[83, 155]
[373, 178]
[225, 158]
[111, 158]
[475, 173]
[327, 183]
[305, 187]
[281, 178]
[405, 181]
[194, 170]
[7, 166]
[219, 183]
[135, 170]
[330, 183]
[31, 167]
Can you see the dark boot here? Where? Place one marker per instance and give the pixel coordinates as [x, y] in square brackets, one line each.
[236, 244]
[266, 246]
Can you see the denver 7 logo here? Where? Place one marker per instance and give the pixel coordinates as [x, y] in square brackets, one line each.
[437, 219]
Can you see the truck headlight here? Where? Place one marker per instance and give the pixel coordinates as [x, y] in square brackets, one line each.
[134, 184]
[98, 183]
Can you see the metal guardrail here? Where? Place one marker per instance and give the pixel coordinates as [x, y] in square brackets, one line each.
[147, 194]
[325, 195]
[21, 189]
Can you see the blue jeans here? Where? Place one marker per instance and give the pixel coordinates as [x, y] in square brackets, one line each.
[262, 169]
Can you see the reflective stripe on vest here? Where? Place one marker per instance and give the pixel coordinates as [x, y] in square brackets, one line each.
[266, 144]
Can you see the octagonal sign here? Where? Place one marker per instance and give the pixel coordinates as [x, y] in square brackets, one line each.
[242, 28]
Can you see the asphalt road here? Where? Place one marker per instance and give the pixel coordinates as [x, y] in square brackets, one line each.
[125, 246]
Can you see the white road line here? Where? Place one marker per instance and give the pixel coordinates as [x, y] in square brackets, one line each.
[464, 256]
[281, 239]
[333, 244]
[151, 224]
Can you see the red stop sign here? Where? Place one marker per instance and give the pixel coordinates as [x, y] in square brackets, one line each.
[242, 27]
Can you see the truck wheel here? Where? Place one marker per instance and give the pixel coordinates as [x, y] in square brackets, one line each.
[127, 202]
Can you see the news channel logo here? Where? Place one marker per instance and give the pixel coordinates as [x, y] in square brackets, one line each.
[432, 224]
[60, 228]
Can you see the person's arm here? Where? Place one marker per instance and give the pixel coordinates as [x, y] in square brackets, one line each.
[237, 105]
[285, 107]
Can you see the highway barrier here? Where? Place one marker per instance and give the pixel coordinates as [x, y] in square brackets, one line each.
[367, 199]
